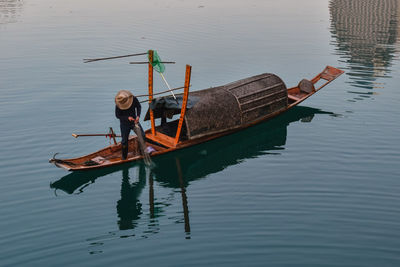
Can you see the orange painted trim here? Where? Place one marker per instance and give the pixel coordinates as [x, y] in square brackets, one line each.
[184, 103]
[153, 127]
[161, 138]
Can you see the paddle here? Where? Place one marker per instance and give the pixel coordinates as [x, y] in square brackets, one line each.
[80, 135]
[110, 135]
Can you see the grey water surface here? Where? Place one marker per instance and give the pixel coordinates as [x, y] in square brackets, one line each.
[316, 186]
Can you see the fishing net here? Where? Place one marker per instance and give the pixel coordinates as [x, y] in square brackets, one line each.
[142, 146]
[157, 63]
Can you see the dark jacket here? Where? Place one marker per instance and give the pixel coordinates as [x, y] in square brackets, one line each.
[133, 111]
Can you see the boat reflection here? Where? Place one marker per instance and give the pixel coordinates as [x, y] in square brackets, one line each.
[177, 169]
[365, 34]
[214, 156]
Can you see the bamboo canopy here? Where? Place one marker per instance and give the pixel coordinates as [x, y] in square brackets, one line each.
[231, 106]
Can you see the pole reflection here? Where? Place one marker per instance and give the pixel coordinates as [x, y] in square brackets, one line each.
[184, 199]
[129, 207]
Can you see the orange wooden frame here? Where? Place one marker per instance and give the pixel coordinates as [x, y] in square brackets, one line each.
[158, 136]
[184, 103]
[153, 127]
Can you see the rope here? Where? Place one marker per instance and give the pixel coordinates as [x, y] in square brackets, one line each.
[162, 76]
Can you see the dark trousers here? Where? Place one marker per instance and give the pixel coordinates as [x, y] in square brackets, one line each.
[125, 130]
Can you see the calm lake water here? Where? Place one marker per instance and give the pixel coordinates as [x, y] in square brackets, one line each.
[316, 186]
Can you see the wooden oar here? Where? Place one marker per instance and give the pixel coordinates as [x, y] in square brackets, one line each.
[79, 135]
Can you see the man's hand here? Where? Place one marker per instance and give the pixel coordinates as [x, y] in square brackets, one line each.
[131, 119]
[137, 120]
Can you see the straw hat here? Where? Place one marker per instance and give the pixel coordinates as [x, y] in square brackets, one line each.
[124, 99]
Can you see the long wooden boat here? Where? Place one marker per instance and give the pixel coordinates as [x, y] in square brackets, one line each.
[230, 150]
[213, 113]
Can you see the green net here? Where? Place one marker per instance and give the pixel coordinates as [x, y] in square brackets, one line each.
[157, 63]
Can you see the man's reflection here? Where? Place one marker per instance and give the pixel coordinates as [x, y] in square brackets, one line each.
[129, 207]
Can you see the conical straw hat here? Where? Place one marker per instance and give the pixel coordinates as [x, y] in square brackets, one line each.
[124, 99]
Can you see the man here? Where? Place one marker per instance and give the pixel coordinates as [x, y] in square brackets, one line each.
[127, 110]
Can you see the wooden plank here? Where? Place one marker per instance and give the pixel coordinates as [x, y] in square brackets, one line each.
[292, 97]
[161, 139]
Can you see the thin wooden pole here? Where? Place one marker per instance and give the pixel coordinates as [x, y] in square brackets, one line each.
[153, 127]
[145, 62]
[162, 92]
[86, 135]
[87, 60]
[184, 103]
